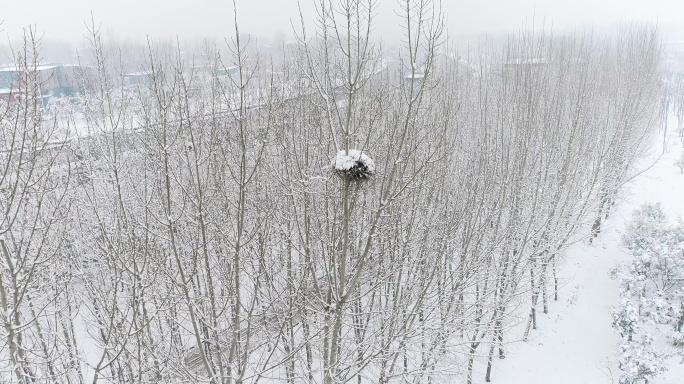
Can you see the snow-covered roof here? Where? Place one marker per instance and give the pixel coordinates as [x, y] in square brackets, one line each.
[417, 75]
[41, 67]
[140, 73]
[532, 61]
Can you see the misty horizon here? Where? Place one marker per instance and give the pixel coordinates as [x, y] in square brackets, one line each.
[276, 20]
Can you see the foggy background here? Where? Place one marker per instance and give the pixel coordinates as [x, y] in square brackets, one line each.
[272, 19]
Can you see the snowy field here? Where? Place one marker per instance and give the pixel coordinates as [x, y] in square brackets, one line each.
[575, 343]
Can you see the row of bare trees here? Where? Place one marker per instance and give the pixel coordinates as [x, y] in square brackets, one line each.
[192, 229]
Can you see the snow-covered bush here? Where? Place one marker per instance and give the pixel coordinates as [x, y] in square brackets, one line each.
[678, 339]
[353, 164]
[626, 320]
[643, 234]
[652, 287]
[638, 360]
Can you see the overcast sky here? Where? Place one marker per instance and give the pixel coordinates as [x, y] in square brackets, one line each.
[64, 19]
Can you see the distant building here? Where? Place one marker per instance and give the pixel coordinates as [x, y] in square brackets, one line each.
[229, 71]
[7, 95]
[49, 80]
[416, 78]
[138, 78]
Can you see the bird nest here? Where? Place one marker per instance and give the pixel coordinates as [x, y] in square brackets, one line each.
[353, 165]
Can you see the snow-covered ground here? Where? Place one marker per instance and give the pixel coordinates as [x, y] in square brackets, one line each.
[575, 343]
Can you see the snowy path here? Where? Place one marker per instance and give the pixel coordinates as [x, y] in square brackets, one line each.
[575, 342]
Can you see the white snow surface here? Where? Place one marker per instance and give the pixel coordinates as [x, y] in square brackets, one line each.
[345, 160]
[575, 342]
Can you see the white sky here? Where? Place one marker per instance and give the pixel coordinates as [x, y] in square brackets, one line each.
[64, 19]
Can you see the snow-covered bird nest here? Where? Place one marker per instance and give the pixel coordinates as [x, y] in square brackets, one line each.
[353, 165]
